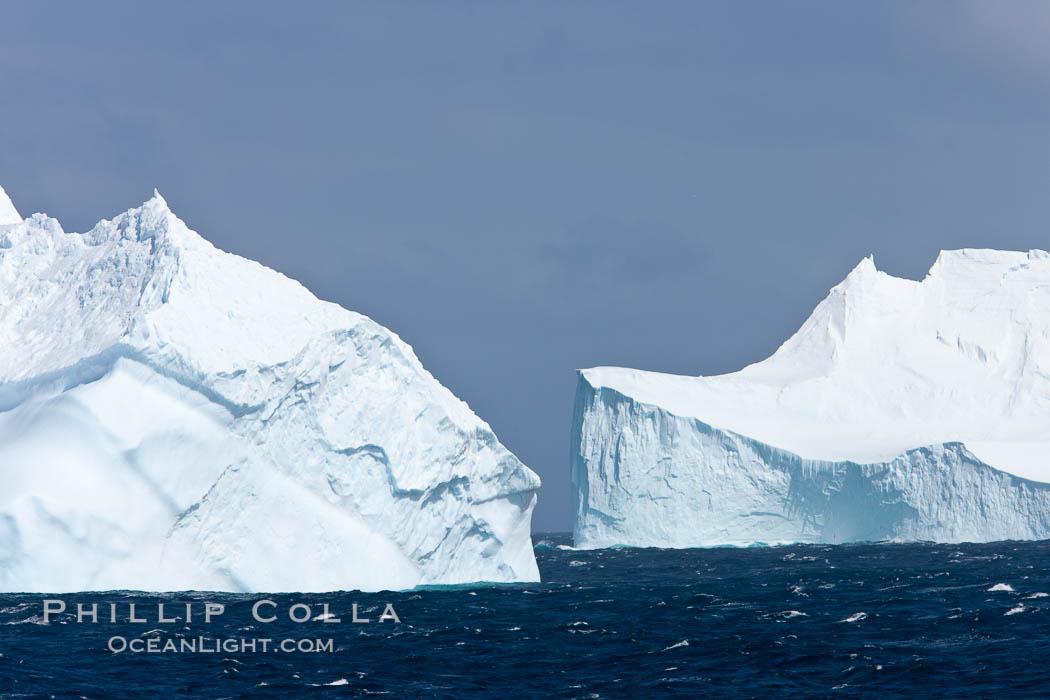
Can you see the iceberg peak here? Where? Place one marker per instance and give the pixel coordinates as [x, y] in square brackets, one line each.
[863, 270]
[863, 275]
[8, 214]
[155, 217]
[157, 204]
[152, 221]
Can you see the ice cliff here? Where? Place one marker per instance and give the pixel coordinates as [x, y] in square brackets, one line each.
[176, 417]
[899, 410]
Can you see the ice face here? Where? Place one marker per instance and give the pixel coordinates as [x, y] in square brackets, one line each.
[900, 409]
[176, 417]
[8, 214]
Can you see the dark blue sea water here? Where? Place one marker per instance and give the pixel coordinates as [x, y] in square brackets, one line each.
[896, 619]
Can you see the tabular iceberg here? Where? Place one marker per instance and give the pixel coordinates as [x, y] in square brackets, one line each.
[899, 410]
[176, 417]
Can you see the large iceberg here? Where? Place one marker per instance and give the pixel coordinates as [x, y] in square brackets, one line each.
[176, 417]
[900, 410]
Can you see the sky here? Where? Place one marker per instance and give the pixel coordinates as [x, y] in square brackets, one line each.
[520, 190]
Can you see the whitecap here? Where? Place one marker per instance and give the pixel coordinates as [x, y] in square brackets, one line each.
[856, 617]
[1001, 587]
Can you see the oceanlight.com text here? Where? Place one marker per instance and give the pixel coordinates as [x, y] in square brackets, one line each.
[211, 645]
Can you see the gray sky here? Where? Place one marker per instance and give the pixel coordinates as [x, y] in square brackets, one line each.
[522, 189]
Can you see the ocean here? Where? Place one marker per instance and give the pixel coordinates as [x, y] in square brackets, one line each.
[940, 620]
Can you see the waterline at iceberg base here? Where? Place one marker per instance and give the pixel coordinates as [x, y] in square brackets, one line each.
[175, 417]
[901, 410]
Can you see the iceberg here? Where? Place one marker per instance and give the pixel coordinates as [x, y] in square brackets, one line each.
[176, 417]
[900, 410]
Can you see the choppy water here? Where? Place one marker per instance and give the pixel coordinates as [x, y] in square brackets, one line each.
[940, 620]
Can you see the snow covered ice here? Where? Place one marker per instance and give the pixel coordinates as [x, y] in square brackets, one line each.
[176, 417]
[900, 410]
[8, 214]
